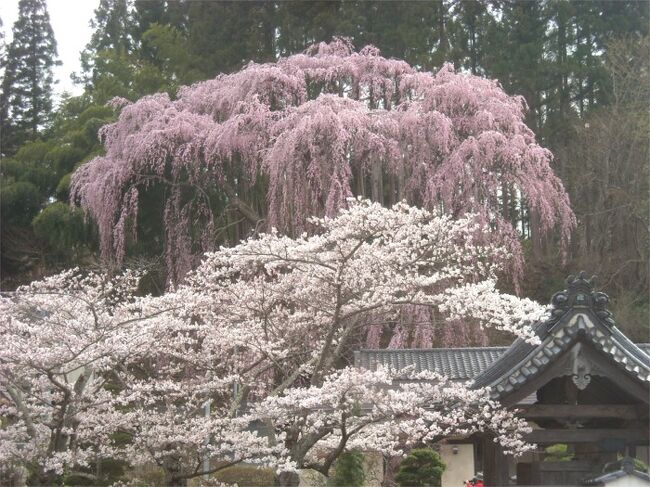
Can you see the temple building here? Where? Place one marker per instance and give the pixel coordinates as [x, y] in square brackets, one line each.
[584, 390]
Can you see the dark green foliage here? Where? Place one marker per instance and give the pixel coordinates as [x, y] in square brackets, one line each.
[61, 226]
[62, 159]
[422, 467]
[349, 470]
[19, 203]
[112, 26]
[26, 99]
[39, 229]
[33, 151]
[32, 166]
[94, 112]
[10, 170]
[116, 61]
[226, 35]
[558, 453]
[62, 189]
[172, 54]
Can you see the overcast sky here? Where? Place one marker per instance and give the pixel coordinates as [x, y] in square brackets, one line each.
[69, 20]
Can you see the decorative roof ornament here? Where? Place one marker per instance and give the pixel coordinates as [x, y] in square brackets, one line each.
[580, 294]
[579, 320]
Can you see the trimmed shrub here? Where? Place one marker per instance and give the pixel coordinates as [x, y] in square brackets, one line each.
[349, 470]
[421, 468]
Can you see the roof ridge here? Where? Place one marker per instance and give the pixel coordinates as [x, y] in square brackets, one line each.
[433, 349]
[503, 347]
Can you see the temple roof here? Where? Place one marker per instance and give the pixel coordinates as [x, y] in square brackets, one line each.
[460, 364]
[619, 474]
[626, 469]
[579, 314]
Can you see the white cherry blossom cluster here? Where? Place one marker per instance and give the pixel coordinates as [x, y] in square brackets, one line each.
[385, 411]
[84, 359]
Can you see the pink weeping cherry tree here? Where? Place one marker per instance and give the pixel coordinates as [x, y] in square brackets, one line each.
[274, 144]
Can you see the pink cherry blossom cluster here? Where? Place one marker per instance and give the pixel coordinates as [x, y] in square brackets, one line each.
[293, 139]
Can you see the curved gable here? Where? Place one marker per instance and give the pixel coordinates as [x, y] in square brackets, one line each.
[579, 340]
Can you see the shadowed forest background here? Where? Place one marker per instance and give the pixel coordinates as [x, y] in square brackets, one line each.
[583, 68]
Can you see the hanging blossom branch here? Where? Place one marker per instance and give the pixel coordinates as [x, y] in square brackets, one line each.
[293, 139]
[385, 411]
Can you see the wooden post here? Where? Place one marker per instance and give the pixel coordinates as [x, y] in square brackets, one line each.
[495, 464]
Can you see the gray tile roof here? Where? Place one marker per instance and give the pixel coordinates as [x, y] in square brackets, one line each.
[456, 363]
[612, 476]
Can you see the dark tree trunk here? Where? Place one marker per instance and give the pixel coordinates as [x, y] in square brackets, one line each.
[173, 473]
[495, 464]
[171, 480]
[47, 479]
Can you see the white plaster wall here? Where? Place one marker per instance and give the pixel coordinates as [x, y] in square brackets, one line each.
[460, 466]
[628, 481]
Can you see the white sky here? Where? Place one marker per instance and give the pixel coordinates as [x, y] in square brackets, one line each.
[70, 22]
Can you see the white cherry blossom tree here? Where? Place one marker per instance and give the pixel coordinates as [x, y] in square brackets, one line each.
[176, 397]
[61, 339]
[382, 411]
[259, 332]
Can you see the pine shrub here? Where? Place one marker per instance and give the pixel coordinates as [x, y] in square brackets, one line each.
[421, 468]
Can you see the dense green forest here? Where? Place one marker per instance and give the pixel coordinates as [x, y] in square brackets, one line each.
[582, 67]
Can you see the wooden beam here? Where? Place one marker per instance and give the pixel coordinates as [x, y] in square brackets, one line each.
[537, 411]
[618, 376]
[550, 436]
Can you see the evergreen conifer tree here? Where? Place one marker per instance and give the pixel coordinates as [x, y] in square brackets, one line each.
[3, 67]
[421, 468]
[28, 76]
[113, 27]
